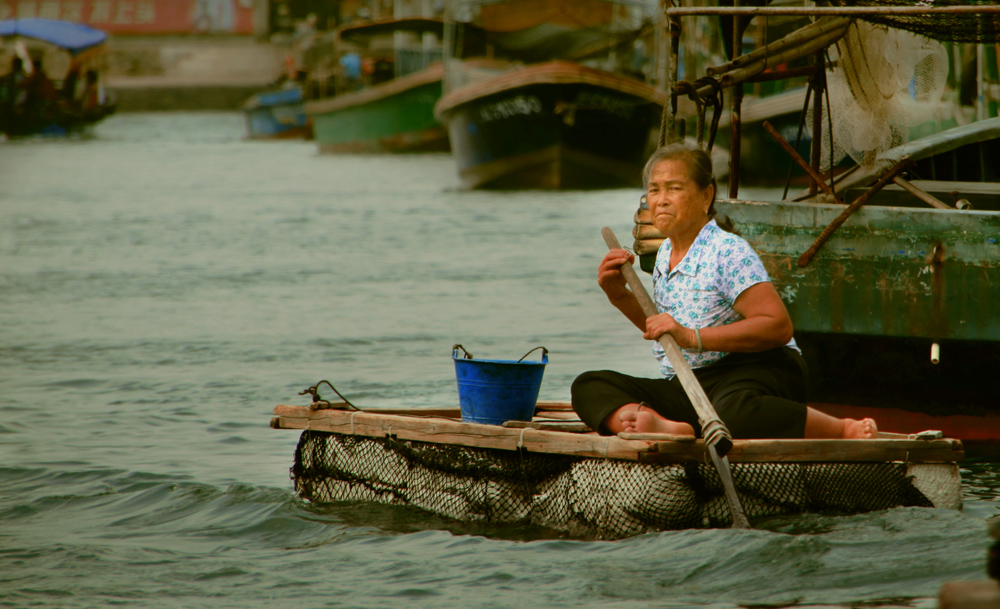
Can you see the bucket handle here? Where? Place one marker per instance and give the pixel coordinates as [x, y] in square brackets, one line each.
[545, 354]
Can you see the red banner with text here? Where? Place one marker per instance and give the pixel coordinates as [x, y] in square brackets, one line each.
[141, 16]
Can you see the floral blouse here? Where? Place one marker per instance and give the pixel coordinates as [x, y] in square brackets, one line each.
[701, 290]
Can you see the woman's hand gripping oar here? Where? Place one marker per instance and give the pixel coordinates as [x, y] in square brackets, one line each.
[717, 437]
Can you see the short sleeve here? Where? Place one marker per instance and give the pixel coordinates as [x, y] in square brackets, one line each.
[739, 267]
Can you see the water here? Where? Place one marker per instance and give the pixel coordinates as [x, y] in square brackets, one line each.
[165, 284]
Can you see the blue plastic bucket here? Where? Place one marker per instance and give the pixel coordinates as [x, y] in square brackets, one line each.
[494, 391]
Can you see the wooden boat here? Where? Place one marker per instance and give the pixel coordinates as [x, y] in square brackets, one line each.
[394, 111]
[550, 95]
[887, 272]
[67, 114]
[277, 114]
[554, 473]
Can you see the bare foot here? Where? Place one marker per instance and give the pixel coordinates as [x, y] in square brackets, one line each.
[645, 420]
[860, 430]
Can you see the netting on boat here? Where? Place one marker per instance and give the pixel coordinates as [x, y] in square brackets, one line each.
[964, 27]
[882, 83]
[583, 497]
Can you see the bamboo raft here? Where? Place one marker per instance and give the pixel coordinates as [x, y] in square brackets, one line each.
[555, 472]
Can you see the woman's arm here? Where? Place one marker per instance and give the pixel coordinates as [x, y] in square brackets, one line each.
[765, 325]
[611, 280]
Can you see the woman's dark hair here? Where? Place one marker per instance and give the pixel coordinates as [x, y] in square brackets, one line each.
[699, 165]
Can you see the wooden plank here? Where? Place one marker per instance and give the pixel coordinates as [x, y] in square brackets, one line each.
[815, 451]
[649, 448]
[446, 431]
[656, 437]
[557, 414]
[554, 406]
[969, 595]
[567, 426]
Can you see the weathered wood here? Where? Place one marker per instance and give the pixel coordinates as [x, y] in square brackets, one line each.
[785, 74]
[825, 235]
[542, 405]
[818, 179]
[557, 414]
[446, 431]
[656, 437]
[747, 72]
[567, 426]
[818, 85]
[650, 448]
[969, 595]
[800, 43]
[923, 196]
[800, 36]
[814, 451]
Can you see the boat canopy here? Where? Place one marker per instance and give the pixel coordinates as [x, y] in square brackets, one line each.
[362, 34]
[73, 37]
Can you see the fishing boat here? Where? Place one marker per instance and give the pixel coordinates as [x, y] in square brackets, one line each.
[553, 472]
[549, 94]
[389, 107]
[277, 114]
[887, 269]
[31, 105]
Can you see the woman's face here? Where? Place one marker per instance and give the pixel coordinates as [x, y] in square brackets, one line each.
[678, 206]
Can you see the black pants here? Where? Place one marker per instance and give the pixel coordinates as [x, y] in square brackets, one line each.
[757, 395]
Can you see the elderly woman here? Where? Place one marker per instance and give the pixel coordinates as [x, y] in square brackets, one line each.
[716, 300]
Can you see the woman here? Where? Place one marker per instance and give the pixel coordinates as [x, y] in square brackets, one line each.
[716, 300]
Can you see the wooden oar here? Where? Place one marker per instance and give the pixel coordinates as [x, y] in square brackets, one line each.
[716, 435]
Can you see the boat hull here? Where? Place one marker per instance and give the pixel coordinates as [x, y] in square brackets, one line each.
[54, 123]
[397, 116]
[565, 128]
[886, 286]
[277, 115]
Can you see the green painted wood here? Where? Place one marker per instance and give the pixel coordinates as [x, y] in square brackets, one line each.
[407, 112]
[876, 275]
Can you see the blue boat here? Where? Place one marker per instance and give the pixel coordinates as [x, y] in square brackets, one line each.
[277, 115]
[31, 105]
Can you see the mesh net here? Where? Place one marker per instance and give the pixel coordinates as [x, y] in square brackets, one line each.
[581, 497]
[883, 83]
[984, 27]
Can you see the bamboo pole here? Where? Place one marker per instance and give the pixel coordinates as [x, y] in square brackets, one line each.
[748, 71]
[924, 196]
[795, 39]
[818, 85]
[713, 429]
[811, 46]
[668, 132]
[896, 169]
[735, 117]
[818, 179]
[784, 74]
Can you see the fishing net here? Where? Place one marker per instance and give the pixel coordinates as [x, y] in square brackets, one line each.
[883, 83]
[581, 497]
[982, 27]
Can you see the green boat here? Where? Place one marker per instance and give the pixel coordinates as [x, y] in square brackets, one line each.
[397, 116]
[890, 271]
[391, 108]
